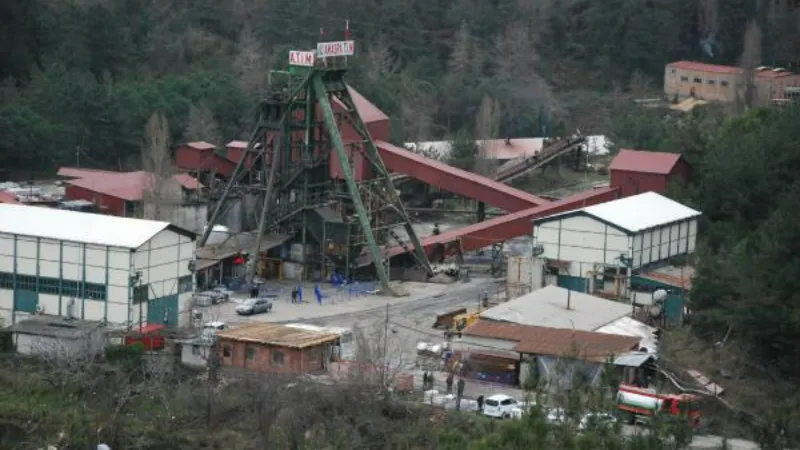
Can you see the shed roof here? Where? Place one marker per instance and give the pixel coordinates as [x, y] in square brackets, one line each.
[277, 334]
[635, 213]
[125, 185]
[237, 144]
[369, 112]
[74, 226]
[547, 307]
[627, 326]
[644, 161]
[53, 326]
[547, 341]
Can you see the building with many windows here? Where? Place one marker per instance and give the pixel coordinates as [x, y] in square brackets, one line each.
[93, 267]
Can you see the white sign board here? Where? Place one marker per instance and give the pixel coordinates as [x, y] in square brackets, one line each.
[298, 58]
[341, 48]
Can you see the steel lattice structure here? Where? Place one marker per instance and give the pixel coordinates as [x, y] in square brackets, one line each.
[287, 162]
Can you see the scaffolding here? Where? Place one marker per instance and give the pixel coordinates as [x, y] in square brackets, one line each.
[345, 215]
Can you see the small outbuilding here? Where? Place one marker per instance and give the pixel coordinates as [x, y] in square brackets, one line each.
[637, 171]
[272, 347]
[51, 336]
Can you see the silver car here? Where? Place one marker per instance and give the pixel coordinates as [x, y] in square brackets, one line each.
[254, 306]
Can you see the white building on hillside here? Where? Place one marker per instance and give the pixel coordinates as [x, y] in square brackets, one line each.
[93, 267]
[594, 249]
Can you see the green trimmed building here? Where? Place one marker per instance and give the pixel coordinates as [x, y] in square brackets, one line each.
[93, 267]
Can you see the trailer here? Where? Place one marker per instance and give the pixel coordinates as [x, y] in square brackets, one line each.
[641, 403]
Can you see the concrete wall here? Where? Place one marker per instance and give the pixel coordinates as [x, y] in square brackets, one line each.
[49, 261]
[164, 264]
[710, 86]
[583, 241]
[195, 355]
[48, 346]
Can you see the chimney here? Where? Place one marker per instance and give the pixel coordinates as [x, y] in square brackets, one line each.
[508, 141]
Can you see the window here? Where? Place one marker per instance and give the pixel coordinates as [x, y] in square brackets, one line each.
[684, 78]
[277, 357]
[723, 83]
[95, 291]
[140, 293]
[698, 80]
[712, 82]
[6, 280]
[250, 353]
[69, 288]
[227, 351]
[185, 284]
[26, 282]
[49, 285]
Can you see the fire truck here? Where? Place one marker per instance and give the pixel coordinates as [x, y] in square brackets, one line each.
[635, 402]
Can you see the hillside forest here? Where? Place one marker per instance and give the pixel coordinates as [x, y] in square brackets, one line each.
[80, 78]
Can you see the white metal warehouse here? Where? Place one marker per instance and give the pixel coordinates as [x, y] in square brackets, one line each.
[93, 267]
[586, 246]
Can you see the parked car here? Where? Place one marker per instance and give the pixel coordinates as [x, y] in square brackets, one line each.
[555, 415]
[254, 306]
[499, 406]
[595, 421]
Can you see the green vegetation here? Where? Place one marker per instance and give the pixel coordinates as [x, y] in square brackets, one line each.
[88, 74]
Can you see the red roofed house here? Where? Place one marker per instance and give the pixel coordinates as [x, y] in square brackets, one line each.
[637, 171]
[724, 83]
[124, 193]
[7, 197]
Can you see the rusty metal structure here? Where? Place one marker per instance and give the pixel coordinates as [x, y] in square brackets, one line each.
[336, 200]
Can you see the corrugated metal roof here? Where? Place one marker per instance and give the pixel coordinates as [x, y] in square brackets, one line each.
[547, 307]
[636, 213]
[627, 326]
[703, 67]
[201, 145]
[633, 359]
[644, 161]
[125, 185]
[277, 334]
[73, 226]
[576, 344]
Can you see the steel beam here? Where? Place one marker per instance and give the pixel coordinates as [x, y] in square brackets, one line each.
[321, 95]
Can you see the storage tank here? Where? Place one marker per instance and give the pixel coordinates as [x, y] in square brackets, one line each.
[639, 401]
[218, 234]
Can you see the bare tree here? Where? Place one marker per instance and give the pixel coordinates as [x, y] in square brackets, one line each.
[250, 63]
[418, 110]
[157, 163]
[749, 61]
[379, 60]
[487, 126]
[201, 124]
[463, 53]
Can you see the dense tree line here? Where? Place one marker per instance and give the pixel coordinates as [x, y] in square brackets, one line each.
[88, 73]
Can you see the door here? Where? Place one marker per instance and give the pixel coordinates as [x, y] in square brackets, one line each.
[26, 301]
[163, 311]
[572, 283]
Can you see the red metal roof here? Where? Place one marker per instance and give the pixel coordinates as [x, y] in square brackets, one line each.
[586, 345]
[369, 113]
[125, 185]
[645, 162]
[201, 145]
[237, 144]
[7, 197]
[703, 67]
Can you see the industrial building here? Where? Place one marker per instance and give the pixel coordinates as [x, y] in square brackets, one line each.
[636, 171]
[93, 267]
[726, 83]
[595, 249]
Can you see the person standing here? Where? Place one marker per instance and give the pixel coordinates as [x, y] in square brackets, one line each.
[294, 295]
[449, 383]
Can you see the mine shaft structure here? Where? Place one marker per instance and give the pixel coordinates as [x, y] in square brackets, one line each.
[304, 176]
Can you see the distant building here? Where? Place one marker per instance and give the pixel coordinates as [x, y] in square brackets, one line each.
[272, 347]
[128, 194]
[714, 82]
[636, 171]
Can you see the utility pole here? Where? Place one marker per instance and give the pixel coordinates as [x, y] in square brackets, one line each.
[385, 344]
[78, 156]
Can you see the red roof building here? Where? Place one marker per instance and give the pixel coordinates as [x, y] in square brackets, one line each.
[714, 82]
[637, 171]
[116, 193]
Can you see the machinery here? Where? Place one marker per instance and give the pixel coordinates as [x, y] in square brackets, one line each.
[335, 200]
[640, 402]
